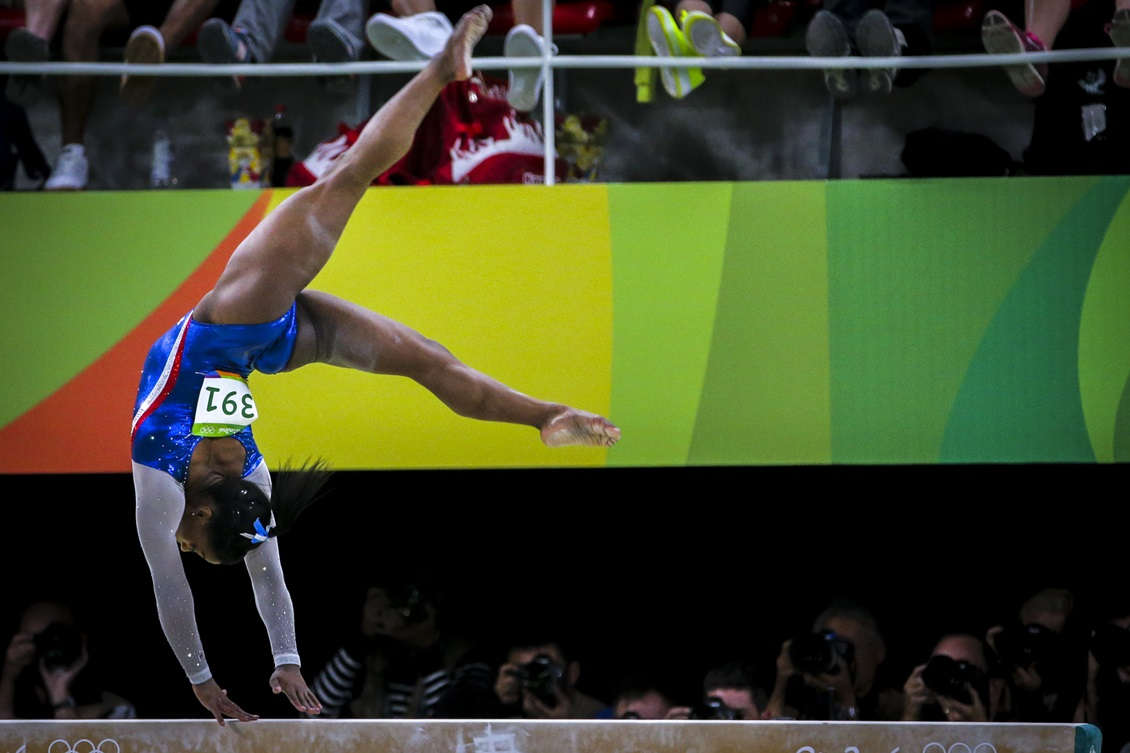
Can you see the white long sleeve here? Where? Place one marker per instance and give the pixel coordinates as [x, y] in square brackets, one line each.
[271, 596]
[160, 505]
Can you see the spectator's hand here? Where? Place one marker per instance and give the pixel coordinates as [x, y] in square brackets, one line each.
[535, 709]
[288, 679]
[508, 687]
[216, 700]
[1027, 679]
[679, 712]
[917, 695]
[956, 711]
[839, 683]
[785, 670]
[57, 680]
[21, 653]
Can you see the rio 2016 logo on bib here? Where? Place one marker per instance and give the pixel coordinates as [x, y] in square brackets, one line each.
[225, 406]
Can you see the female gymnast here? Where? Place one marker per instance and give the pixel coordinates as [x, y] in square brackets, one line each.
[200, 481]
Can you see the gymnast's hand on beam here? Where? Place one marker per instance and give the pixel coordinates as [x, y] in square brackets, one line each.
[288, 679]
[215, 699]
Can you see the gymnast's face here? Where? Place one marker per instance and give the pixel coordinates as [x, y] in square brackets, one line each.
[192, 533]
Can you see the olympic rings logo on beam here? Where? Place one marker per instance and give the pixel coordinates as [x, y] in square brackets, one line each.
[78, 747]
[931, 747]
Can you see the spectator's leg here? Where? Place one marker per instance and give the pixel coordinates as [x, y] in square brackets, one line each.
[183, 18]
[335, 35]
[401, 8]
[86, 21]
[42, 17]
[1045, 19]
[528, 12]
[1120, 35]
[262, 23]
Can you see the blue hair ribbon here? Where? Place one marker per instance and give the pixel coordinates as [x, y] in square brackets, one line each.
[261, 534]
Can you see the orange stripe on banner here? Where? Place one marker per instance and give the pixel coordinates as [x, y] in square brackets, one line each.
[83, 427]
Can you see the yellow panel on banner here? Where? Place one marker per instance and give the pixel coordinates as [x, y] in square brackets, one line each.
[521, 290]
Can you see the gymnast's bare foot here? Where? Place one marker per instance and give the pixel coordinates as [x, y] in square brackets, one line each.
[456, 56]
[576, 427]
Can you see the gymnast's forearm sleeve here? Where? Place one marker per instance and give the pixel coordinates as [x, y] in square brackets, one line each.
[160, 505]
[271, 596]
[273, 600]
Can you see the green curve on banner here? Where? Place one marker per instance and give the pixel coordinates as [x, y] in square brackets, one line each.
[1020, 399]
[1104, 335]
[1121, 448]
[918, 269]
[668, 241]
[54, 325]
[765, 398]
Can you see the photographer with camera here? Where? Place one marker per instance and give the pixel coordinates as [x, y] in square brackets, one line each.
[954, 685]
[1108, 678]
[538, 681]
[45, 673]
[729, 694]
[641, 697]
[403, 662]
[831, 673]
[1042, 656]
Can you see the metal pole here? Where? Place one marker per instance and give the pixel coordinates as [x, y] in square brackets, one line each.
[549, 126]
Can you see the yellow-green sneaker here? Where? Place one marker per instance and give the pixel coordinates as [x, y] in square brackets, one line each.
[705, 34]
[667, 40]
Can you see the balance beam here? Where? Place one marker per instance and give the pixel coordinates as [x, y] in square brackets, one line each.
[521, 736]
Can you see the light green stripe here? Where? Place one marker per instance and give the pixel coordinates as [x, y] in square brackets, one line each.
[668, 243]
[766, 396]
[81, 272]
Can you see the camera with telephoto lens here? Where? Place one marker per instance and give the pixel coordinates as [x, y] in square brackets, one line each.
[948, 677]
[1026, 645]
[819, 653]
[714, 709]
[58, 645]
[542, 677]
[1111, 645]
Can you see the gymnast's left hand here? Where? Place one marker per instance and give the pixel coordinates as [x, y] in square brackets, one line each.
[288, 679]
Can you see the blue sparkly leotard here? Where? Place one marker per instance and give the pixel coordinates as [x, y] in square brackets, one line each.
[174, 372]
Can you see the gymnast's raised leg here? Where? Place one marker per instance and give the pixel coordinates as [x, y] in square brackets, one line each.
[272, 267]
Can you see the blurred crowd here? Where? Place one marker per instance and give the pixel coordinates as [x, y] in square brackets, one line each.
[1080, 108]
[1055, 660]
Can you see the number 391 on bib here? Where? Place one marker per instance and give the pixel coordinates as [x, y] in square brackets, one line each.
[224, 407]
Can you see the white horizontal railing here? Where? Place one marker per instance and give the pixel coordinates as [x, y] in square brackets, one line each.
[549, 62]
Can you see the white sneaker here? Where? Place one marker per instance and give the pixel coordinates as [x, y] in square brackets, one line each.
[524, 83]
[71, 171]
[417, 37]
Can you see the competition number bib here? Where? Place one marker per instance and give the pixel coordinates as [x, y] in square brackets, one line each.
[225, 406]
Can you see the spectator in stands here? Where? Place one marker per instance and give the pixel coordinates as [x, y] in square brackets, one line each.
[1108, 678]
[416, 31]
[733, 685]
[157, 26]
[954, 685]
[539, 681]
[1042, 656]
[641, 698]
[17, 144]
[846, 27]
[833, 672]
[402, 662]
[46, 675]
[696, 29]
[1044, 19]
[333, 37]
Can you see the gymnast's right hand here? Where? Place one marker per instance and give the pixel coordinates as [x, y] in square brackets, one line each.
[216, 700]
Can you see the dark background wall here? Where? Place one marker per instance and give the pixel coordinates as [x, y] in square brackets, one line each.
[665, 569]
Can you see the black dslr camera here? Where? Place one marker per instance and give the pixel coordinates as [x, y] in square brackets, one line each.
[714, 709]
[948, 677]
[58, 645]
[819, 653]
[542, 677]
[1111, 645]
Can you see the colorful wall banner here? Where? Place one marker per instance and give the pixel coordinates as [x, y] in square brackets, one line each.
[888, 321]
